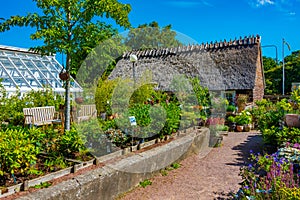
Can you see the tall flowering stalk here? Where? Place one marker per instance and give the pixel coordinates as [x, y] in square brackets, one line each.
[269, 178]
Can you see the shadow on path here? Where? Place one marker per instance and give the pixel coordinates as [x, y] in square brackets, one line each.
[253, 143]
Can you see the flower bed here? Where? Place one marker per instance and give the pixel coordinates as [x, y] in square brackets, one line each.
[275, 176]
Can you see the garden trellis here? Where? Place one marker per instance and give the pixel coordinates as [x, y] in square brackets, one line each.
[23, 70]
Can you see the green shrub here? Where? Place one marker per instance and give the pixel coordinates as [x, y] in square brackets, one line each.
[230, 108]
[268, 114]
[19, 149]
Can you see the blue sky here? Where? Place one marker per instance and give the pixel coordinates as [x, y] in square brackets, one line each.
[202, 20]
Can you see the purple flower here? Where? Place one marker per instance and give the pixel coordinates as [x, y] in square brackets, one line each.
[297, 146]
[250, 166]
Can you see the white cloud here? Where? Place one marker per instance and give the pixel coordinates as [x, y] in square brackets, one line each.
[264, 2]
[291, 13]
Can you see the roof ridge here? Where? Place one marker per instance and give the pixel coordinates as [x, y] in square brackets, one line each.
[151, 52]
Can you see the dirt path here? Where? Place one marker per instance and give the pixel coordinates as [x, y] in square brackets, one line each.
[211, 177]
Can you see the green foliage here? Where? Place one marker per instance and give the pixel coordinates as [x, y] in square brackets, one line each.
[231, 119]
[144, 89]
[243, 118]
[12, 107]
[273, 76]
[150, 35]
[289, 193]
[73, 28]
[269, 114]
[175, 165]
[43, 185]
[173, 118]
[273, 73]
[104, 94]
[278, 137]
[295, 98]
[201, 93]
[230, 108]
[18, 149]
[145, 183]
[71, 141]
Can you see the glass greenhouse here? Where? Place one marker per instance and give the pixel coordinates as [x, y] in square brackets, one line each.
[23, 70]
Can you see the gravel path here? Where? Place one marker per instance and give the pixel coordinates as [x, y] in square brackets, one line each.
[213, 177]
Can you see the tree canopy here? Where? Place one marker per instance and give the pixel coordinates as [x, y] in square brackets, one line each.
[273, 73]
[71, 27]
[147, 36]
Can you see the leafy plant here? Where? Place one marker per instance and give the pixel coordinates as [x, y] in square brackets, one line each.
[243, 118]
[145, 183]
[231, 119]
[230, 108]
[175, 165]
[43, 185]
[18, 150]
[278, 137]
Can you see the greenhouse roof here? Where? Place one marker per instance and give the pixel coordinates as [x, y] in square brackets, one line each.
[24, 70]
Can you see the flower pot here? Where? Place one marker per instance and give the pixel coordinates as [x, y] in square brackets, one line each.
[239, 128]
[292, 120]
[247, 127]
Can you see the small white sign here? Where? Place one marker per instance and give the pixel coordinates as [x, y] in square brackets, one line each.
[132, 120]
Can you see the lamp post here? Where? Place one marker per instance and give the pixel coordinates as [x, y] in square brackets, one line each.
[133, 59]
[283, 73]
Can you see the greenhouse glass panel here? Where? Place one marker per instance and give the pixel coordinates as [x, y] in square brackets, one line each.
[26, 70]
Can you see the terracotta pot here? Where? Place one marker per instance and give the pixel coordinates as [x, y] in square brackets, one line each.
[292, 120]
[239, 128]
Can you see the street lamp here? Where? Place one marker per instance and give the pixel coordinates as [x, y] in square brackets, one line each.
[133, 59]
[283, 79]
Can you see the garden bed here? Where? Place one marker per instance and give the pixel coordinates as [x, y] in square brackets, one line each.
[97, 183]
[30, 182]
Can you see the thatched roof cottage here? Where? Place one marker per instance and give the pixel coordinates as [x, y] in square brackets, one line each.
[233, 67]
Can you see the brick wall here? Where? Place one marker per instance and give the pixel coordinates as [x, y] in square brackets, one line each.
[258, 91]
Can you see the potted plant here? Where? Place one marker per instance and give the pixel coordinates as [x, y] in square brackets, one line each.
[241, 102]
[231, 123]
[243, 121]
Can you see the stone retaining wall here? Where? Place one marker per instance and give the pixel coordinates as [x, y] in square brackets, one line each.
[114, 179]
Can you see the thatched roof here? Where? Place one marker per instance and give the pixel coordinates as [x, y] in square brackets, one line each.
[220, 66]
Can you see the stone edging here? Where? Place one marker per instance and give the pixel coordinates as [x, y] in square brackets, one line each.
[114, 179]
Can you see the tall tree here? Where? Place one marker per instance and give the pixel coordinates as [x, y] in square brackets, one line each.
[71, 27]
[273, 76]
[150, 35]
[273, 73]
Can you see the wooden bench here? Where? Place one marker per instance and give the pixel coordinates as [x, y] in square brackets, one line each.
[39, 116]
[86, 112]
